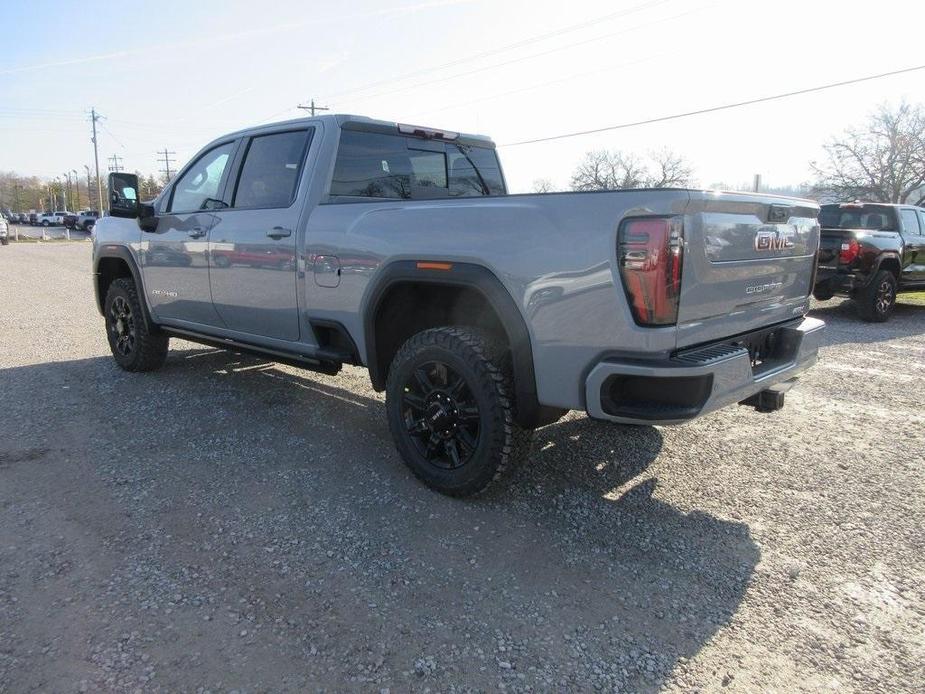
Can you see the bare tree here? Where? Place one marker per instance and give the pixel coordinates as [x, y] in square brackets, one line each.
[543, 185]
[613, 170]
[882, 162]
[670, 171]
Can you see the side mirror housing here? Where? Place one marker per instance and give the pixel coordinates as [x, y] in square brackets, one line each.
[123, 195]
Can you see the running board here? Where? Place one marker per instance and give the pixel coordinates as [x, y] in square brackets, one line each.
[320, 362]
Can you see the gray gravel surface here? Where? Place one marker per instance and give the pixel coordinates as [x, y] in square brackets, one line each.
[229, 524]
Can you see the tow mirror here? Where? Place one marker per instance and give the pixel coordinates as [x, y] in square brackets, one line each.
[123, 195]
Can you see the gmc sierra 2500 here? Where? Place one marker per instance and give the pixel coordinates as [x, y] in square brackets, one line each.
[343, 240]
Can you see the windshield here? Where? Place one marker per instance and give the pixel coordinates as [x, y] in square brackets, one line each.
[858, 216]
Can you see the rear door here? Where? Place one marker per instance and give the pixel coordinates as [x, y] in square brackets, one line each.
[913, 234]
[253, 242]
[174, 259]
[748, 262]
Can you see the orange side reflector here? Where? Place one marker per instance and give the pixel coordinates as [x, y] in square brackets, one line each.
[435, 266]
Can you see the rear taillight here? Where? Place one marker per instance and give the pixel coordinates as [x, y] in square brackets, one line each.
[849, 251]
[649, 252]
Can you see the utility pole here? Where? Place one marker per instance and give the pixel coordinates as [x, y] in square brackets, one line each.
[89, 194]
[67, 191]
[94, 116]
[77, 187]
[757, 182]
[167, 161]
[115, 163]
[312, 108]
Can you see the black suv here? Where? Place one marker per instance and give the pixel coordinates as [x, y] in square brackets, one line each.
[870, 252]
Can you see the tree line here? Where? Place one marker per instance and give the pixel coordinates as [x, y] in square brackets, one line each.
[23, 193]
[882, 160]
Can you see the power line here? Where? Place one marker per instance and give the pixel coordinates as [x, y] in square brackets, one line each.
[713, 109]
[115, 163]
[520, 59]
[503, 49]
[167, 161]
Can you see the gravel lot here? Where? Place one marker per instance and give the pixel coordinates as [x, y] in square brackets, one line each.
[229, 524]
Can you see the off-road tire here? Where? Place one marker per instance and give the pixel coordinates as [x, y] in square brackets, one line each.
[482, 365]
[822, 293]
[876, 301]
[149, 346]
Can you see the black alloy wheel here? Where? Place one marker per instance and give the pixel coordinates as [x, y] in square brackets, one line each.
[121, 326]
[450, 404]
[136, 344]
[441, 415]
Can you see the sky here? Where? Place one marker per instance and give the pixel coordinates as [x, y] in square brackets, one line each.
[178, 74]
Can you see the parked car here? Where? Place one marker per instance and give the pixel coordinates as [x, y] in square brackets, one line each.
[86, 219]
[47, 219]
[4, 231]
[406, 255]
[870, 252]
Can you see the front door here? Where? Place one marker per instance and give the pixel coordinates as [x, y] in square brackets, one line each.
[913, 245]
[253, 242]
[175, 257]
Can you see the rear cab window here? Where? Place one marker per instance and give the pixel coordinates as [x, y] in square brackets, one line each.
[378, 165]
[858, 216]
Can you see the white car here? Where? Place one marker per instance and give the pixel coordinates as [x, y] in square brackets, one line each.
[4, 231]
[51, 219]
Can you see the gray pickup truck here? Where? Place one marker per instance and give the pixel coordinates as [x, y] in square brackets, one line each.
[341, 240]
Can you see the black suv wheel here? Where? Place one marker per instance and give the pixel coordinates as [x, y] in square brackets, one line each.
[450, 409]
[876, 301]
[134, 345]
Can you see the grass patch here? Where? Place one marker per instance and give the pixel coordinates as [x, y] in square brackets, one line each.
[917, 298]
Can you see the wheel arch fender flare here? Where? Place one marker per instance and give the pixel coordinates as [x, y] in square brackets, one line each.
[888, 257]
[110, 251]
[475, 277]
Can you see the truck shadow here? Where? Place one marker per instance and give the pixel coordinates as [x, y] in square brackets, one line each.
[576, 546]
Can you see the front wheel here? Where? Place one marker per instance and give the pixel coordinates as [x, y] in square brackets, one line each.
[45, 223]
[876, 301]
[449, 400]
[135, 345]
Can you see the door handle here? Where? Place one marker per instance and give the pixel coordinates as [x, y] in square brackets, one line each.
[279, 233]
[197, 232]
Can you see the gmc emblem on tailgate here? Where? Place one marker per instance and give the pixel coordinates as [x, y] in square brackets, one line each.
[773, 240]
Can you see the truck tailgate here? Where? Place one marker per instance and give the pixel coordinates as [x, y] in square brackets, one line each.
[748, 263]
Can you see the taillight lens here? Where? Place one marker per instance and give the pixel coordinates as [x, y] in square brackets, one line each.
[650, 251]
[849, 251]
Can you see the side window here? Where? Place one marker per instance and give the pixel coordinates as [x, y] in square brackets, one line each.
[371, 165]
[474, 171]
[922, 220]
[271, 170]
[200, 183]
[910, 221]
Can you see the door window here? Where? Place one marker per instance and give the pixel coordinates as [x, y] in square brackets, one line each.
[270, 173]
[922, 220]
[910, 221]
[198, 188]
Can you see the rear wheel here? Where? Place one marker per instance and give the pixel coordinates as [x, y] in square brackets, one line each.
[451, 411]
[822, 292]
[135, 345]
[876, 301]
